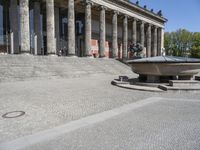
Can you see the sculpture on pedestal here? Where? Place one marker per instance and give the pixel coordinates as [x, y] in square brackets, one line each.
[137, 50]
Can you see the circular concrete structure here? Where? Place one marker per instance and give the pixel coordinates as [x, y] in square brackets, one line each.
[162, 66]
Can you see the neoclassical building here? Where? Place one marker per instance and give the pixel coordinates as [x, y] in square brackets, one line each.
[79, 27]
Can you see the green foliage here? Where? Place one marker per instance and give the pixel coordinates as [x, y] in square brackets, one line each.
[182, 43]
[195, 50]
[196, 39]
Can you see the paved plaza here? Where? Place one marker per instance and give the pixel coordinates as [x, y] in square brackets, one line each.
[64, 78]
[87, 112]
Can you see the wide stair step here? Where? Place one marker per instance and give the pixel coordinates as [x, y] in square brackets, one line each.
[15, 67]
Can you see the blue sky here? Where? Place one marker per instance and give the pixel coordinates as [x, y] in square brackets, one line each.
[180, 13]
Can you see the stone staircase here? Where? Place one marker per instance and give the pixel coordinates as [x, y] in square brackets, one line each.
[23, 67]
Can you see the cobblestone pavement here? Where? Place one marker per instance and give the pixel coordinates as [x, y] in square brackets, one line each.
[151, 124]
[49, 103]
[162, 125]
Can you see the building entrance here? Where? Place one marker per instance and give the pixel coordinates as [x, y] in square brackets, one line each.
[80, 34]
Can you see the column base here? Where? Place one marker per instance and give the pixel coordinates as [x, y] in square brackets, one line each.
[102, 56]
[114, 56]
[71, 55]
[124, 59]
[89, 56]
[52, 54]
[25, 53]
[15, 53]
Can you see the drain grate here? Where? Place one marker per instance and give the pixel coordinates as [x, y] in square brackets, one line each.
[13, 114]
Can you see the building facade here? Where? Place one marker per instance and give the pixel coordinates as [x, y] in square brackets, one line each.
[99, 28]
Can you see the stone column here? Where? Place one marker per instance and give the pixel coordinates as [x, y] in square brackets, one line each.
[88, 28]
[125, 37]
[11, 43]
[24, 26]
[159, 42]
[102, 30]
[37, 26]
[155, 41]
[162, 40]
[149, 40]
[142, 33]
[14, 25]
[71, 29]
[134, 30]
[57, 26]
[114, 35]
[51, 42]
[35, 45]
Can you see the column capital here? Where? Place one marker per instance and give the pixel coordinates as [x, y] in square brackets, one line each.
[126, 16]
[103, 7]
[116, 12]
[160, 28]
[134, 19]
[149, 25]
[142, 22]
[88, 2]
[155, 27]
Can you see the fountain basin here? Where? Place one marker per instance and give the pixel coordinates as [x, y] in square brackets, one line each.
[166, 66]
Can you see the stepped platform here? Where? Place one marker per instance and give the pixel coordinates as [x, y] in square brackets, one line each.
[24, 67]
[62, 109]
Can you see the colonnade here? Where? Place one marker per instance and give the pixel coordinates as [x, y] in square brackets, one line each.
[150, 37]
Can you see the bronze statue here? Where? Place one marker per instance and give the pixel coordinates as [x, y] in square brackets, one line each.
[136, 49]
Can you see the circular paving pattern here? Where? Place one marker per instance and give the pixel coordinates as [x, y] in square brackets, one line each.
[13, 114]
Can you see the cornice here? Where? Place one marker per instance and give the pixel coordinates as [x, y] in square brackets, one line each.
[139, 8]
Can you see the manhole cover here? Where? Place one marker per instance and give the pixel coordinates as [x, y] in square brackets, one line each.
[13, 114]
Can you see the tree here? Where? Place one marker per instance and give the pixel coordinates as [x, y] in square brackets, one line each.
[182, 43]
[195, 49]
[167, 43]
